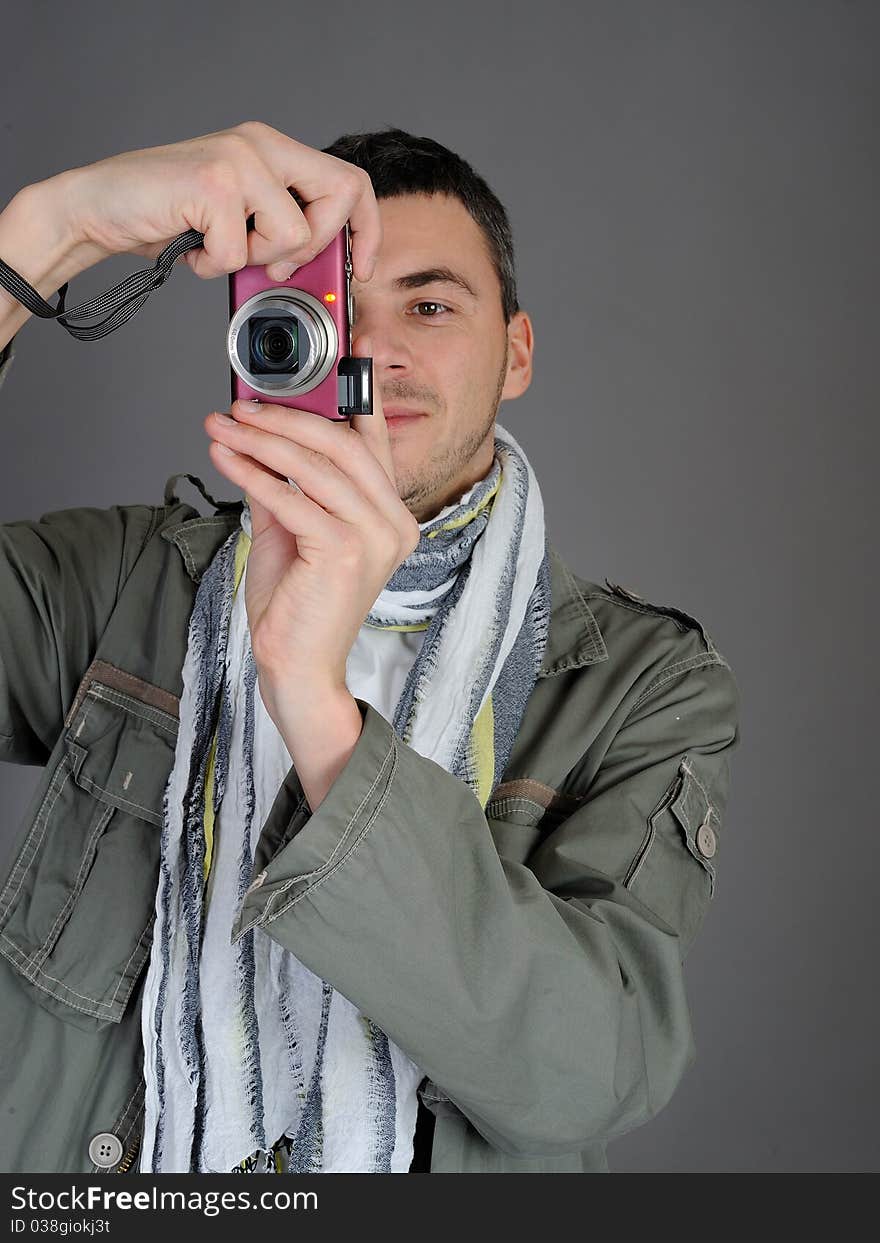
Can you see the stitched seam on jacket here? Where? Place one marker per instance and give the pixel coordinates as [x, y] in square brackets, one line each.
[86, 706]
[636, 608]
[581, 602]
[700, 661]
[111, 676]
[591, 626]
[664, 803]
[182, 537]
[100, 1169]
[374, 814]
[43, 814]
[15, 957]
[345, 832]
[691, 830]
[135, 1125]
[79, 697]
[708, 797]
[86, 782]
[502, 806]
[531, 790]
[140, 945]
[127, 805]
[120, 1124]
[187, 556]
[136, 707]
[20, 960]
[42, 952]
[285, 840]
[269, 917]
[674, 794]
[106, 1005]
[314, 872]
[211, 520]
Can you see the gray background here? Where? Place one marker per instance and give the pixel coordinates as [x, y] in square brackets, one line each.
[693, 191]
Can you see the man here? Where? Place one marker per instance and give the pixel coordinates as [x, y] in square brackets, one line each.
[412, 825]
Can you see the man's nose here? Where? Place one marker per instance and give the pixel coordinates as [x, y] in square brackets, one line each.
[390, 348]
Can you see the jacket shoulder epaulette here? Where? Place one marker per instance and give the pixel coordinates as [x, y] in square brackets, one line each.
[685, 622]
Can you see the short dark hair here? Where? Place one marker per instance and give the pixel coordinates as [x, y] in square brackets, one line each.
[401, 163]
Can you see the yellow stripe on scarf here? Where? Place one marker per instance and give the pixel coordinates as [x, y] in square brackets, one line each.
[483, 750]
[242, 548]
[463, 519]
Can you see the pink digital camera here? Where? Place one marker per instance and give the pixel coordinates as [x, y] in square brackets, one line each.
[290, 342]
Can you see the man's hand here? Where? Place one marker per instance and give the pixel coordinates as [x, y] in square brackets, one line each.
[321, 554]
[139, 201]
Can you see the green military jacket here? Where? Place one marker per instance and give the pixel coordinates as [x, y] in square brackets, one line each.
[528, 958]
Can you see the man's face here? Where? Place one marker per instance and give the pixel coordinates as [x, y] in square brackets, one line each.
[438, 348]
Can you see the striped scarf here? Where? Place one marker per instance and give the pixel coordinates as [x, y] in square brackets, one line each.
[252, 1063]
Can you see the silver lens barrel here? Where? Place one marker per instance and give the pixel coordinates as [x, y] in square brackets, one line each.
[315, 330]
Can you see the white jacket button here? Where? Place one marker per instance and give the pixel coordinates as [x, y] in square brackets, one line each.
[105, 1150]
[706, 841]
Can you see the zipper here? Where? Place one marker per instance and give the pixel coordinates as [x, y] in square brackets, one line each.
[125, 1164]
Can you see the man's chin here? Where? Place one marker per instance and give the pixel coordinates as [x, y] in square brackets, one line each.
[417, 500]
[409, 484]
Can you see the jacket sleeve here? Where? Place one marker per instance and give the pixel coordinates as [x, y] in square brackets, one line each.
[59, 581]
[546, 1000]
[6, 356]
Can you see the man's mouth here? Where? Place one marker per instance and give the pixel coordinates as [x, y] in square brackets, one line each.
[399, 416]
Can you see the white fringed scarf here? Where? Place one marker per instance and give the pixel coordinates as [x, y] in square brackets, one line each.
[252, 1063]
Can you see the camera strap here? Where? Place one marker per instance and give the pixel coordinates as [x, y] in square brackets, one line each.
[123, 301]
[354, 375]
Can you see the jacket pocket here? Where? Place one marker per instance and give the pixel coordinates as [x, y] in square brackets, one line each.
[673, 872]
[76, 913]
[522, 811]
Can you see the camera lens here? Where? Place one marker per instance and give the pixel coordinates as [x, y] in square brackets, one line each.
[283, 342]
[274, 344]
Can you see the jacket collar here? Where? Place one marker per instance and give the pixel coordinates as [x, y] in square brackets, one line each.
[198, 539]
[574, 638]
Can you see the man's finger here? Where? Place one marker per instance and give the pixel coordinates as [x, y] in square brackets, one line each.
[316, 175]
[261, 517]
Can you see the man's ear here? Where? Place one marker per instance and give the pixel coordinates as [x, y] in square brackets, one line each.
[520, 345]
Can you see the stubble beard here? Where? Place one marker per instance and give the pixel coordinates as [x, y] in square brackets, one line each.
[438, 473]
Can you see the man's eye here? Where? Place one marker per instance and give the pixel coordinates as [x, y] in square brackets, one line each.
[441, 305]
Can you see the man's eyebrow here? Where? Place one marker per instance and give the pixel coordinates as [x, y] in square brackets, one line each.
[431, 276]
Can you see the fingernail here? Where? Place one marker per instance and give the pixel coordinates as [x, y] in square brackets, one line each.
[225, 448]
[285, 273]
[249, 407]
[224, 418]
